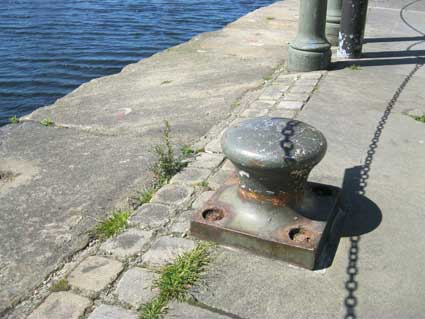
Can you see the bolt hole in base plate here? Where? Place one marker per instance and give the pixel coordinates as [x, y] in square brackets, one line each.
[212, 214]
[299, 234]
[281, 232]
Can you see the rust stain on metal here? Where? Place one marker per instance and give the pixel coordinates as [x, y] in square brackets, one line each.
[233, 179]
[282, 199]
[213, 214]
[255, 163]
[301, 234]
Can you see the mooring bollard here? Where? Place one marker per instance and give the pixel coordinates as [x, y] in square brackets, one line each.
[310, 50]
[269, 207]
[333, 21]
[353, 24]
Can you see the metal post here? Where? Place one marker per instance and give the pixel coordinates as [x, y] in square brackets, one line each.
[333, 21]
[310, 50]
[353, 23]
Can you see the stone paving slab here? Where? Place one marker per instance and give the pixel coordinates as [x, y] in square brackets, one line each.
[206, 160]
[150, 215]
[127, 244]
[200, 201]
[219, 178]
[173, 194]
[290, 105]
[250, 113]
[94, 274]
[61, 305]
[181, 224]
[178, 310]
[112, 312]
[213, 147]
[190, 176]
[165, 250]
[136, 287]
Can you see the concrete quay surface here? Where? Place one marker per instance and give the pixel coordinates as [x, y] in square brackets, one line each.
[383, 236]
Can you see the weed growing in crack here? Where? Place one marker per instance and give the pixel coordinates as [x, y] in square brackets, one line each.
[47, 122]
[187, 151]
[113, 225]
[14, 120]
[60, 285]
[147, 194]
[268, 77]
[354, 67]
[420, 118]
[203, 184]
[176, 279]
[154, 308]
[167, 164]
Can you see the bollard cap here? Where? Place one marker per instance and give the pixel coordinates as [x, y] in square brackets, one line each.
[273, 155]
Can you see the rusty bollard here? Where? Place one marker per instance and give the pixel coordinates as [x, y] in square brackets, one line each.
[268, 206]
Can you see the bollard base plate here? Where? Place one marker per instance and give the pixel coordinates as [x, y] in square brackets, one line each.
[306, 235]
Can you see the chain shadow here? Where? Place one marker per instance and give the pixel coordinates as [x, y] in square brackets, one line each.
[362, 214]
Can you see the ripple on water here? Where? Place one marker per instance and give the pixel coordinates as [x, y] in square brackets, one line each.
[49, 47]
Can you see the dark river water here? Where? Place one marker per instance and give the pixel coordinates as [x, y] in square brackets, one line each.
[49, 47]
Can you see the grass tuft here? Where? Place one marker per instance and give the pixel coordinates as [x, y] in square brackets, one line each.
[60, 285]
[176, 279]
[154, 308]
[354, 67]
[113, 225]
[166, 82]
[147, 194]
[46, 122]
[187, 151]
[267, 77]
[14, 120]
[270, 18]
[203, 184]
[420, 118]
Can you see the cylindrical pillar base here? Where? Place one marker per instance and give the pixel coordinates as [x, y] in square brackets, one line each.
[353, 23]
[310, 51]
[304, 61]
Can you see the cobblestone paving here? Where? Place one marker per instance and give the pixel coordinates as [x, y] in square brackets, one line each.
[117, 277]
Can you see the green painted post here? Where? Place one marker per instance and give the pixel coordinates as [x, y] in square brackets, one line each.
[333, 21]
[310, 50]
